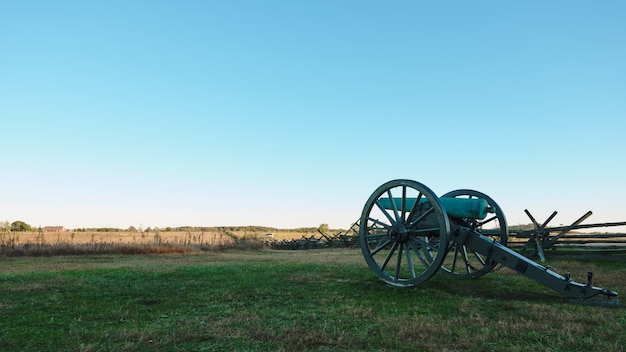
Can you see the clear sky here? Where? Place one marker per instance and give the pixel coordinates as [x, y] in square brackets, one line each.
[290, 113]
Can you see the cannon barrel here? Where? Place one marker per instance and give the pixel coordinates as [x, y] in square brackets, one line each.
[468, 208]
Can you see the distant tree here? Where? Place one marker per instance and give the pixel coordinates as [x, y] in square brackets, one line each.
[20, 226]
[5, 226]
[323, 228]
[132, 229]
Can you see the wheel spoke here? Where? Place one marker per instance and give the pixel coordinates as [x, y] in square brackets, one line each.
[410, 224]
[419, 255]
[480, 259]
[468, 266]
[409, 261]
[425, 244]
[414, 208]
[389, 255]
[399, 261]
[385, 212]
[403, 206]
[456, 253]
[379, 247]
[375, 235]
[430, 229]
[487, 221]
[377, 222]
[393, 205]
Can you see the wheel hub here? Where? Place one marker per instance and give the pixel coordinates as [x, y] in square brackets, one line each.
[399, 234]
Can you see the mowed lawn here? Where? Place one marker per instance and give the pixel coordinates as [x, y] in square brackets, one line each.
[317, 300]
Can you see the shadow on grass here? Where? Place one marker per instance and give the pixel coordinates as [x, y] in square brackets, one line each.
[494, 286]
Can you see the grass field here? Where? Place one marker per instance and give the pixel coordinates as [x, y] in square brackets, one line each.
[262, 300]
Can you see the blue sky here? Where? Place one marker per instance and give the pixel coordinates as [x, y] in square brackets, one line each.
[290, 113]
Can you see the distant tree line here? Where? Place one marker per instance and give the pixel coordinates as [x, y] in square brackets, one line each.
[21, 226]
[99, 229]
[15, 226]
[323, 227]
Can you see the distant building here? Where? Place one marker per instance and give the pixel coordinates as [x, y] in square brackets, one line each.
[53, 229]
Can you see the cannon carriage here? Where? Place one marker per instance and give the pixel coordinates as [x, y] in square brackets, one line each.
[407, 234]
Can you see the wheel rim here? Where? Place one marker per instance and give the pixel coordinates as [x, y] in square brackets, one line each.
[400, 242]
[464, 262]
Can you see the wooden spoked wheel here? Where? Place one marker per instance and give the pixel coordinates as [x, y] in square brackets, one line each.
[401, 228]
[462, 261]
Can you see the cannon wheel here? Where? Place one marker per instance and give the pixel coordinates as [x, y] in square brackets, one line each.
[462, 261]
[401, 245]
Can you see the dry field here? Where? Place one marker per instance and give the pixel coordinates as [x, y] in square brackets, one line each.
[213, 237]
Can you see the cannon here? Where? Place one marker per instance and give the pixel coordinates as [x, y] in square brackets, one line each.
[407, 234]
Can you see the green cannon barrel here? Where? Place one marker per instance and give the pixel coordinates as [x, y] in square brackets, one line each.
[474, 208]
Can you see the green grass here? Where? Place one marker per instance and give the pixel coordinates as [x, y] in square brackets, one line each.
[324, 300]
